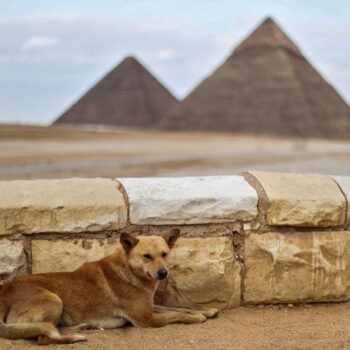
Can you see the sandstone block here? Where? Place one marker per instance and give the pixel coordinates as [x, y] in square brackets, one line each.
[73, 205]
[190, 200]
[344, 183]
[13, 260]
[297, 267]
[68, 255]
[202, 271]
[302, 200]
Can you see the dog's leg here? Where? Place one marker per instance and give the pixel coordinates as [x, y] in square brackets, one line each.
[158, 320]
[61, 339]
[109, 323]
[38, 318]
[208, 313]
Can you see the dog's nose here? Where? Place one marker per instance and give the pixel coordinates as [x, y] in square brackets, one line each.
[162, 273]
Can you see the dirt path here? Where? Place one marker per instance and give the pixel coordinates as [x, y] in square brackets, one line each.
[316, 327]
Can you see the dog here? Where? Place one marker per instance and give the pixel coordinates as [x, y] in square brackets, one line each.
[106, 294]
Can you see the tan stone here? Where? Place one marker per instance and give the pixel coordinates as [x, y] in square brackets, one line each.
[68, 255]
[344, 184]
[73, 205]
[297, 267]
[13, 260]
[302, 200]
[202, 271]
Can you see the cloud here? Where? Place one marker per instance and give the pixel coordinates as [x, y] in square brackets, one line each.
[40, 42]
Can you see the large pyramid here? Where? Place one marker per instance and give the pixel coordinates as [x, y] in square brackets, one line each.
[127, 96]
[265, 87]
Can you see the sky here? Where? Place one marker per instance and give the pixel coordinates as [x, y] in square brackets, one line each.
[53, 51]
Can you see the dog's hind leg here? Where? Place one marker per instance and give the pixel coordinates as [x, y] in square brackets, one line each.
[208, 313]
[37, 318]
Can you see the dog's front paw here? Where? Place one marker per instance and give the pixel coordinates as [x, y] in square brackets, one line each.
[77, 338]
[199, 318]
[211, 313]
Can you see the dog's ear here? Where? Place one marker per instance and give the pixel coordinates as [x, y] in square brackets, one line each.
[128, 242]
[171, 237]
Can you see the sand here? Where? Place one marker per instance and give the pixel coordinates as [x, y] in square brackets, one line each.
[61, 152]
[304, 327]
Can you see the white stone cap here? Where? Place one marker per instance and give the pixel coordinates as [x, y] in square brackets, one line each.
[190, 200]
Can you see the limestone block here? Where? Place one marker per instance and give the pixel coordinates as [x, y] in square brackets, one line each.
[73, 205]
[190, 200]
[68, 255]
[302, 200]
[202, 271]
[12, 259]
[344, 183]
[297, 267]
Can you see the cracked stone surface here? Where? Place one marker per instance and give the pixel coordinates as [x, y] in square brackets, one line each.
[344, 183]
[13, 260]
[190, 200]
[68, 255]
[65, 206]
[302, 200]
[202, 271]
[297, 267]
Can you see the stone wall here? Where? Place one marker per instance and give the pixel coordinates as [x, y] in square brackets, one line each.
[250, 239]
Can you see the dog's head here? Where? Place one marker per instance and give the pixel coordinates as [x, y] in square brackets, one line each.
[147, 255]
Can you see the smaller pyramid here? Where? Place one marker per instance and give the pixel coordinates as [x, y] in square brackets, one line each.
[128, 96]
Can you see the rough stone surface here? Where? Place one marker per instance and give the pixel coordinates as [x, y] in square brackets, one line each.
[297, 267]
[13, 260]
[190, 200]
[302, 200]
[202, 271]
[68, 255]
[344, 183]
[74, 205]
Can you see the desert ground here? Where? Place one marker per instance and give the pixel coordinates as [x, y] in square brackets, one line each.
[303, 327]
[28, 152]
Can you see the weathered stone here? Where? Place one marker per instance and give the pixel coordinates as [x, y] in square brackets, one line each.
[13, 260]
[344, 183]
[68, 255]
[302, 200]
[74, 205]
[202, 271]
[297, 267]
[190, 200]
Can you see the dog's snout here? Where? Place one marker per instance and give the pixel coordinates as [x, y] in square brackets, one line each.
[162, 273]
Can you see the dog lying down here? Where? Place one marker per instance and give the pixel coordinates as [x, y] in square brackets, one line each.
[103, 294]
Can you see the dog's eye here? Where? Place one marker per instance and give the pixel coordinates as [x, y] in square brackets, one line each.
[147, 256]
[164, 255]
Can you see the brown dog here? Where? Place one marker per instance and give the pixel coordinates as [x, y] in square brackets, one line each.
[102, 294]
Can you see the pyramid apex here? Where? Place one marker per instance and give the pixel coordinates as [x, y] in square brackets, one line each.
[268, 34]
[267, 20]
[130, 59]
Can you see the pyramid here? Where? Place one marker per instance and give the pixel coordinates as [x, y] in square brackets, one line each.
[266, 86]
[128, 96]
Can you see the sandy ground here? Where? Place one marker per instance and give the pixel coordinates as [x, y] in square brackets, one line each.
[301, 327]
[57, 152]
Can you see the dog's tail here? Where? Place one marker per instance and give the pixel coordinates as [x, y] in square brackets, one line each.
[28, 330]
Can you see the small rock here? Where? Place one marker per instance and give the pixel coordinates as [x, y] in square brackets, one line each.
[247, 226]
